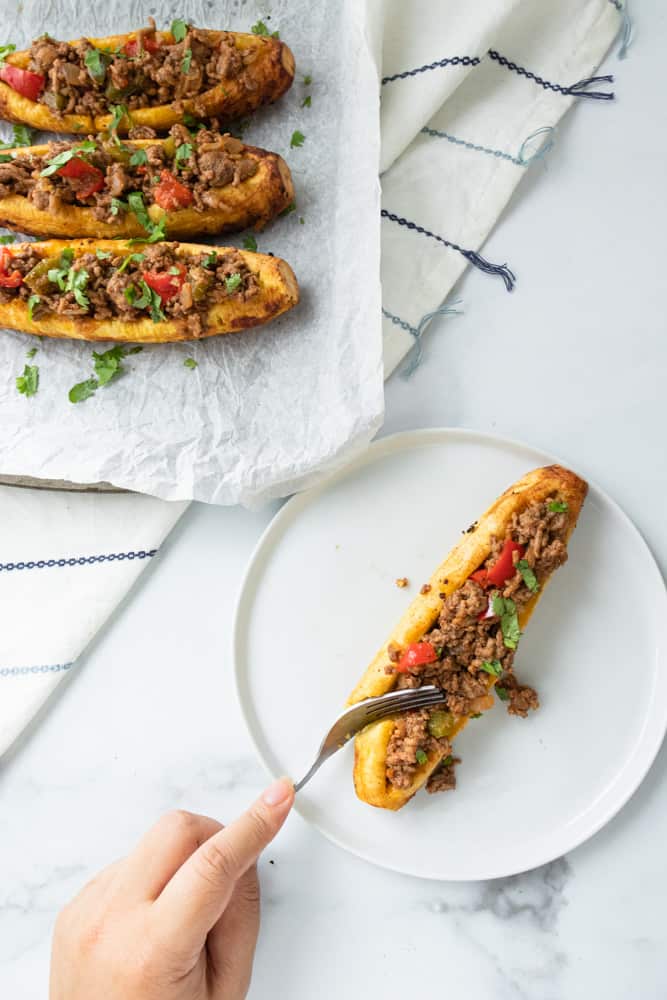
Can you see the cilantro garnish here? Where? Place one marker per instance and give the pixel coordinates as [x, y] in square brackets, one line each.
[118, 112]
[250, 243]
[22, 136]
[286, 211]
[307, 80]
[502, 693]
[33, 301]
[56, 162]
[297, 140]
[103, 254]
[192, 123]
[448, 761]
[210, 260]
[117, 205]
[31, 353]
[135, 204]
[179, 29]
[28, 383]
[5, 51]
[183, 153]
[493, 667]
[150, 299]
[307, 101]
[96, 64]
[232, 282]
[5, 157]
[505, 609]
[58, 275]
[139, 158]
[190, 363]
[137, 257]
[187, 61]
[76, 283]
[476, 715]
[108, 366]
[83, 390]
[261, 29]
[528, 576]
[4, 240]
[558, 507]
[421, 756]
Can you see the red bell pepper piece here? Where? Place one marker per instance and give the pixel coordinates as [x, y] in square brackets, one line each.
[170, 194]
[503, 567]
[165, 284]
[8, 279]
[415, 655]
[149, 44]
[89, 179]
[24, 82]
[480, 576]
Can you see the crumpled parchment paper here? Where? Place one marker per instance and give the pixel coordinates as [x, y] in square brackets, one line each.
[267, 411]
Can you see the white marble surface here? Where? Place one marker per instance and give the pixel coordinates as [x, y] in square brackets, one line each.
[575, 362]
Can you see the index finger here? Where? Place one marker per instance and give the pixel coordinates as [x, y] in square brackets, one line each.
[195, 898]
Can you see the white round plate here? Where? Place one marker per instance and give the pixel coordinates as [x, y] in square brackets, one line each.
[319, 598]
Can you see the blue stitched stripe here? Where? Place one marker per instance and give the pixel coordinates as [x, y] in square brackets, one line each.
[453, 61]
[434, 133]
[574, 90]
[78, 561]
[53, 668]
[397, 321]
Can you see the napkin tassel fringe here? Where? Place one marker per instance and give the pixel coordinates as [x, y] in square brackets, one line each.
[416, 352]
[578, 89]
[474, 258]
[626, 31]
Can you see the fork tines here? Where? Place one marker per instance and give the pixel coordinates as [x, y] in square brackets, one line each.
[419, 699]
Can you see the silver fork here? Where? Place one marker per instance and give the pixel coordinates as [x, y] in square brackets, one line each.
[355, 718]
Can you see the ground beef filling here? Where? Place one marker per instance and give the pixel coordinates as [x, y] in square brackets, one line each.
[81, 79]
[101, 290]
[465, 643]
[202, 164]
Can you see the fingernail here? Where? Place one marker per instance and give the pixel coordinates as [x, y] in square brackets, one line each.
[278, 792]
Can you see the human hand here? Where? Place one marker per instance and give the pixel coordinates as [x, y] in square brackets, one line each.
[177, 919]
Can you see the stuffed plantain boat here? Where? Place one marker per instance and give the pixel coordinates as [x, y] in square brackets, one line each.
[139, 292]
[182, 186]
[461, 633]
[146, 78]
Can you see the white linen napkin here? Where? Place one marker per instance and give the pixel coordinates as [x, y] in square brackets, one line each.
[469, 93]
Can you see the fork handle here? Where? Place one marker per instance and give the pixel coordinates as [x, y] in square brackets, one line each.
[316, 766]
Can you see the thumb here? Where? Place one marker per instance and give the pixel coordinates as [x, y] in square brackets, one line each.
[197, 895]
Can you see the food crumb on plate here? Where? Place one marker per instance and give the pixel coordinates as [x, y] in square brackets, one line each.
[402, 581]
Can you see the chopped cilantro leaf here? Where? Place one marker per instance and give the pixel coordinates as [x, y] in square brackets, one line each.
[258, 29]
[250, 243]
[7, 239]
[5, 157]
[210, 260]
[505, 609]
[183, 153]
[31, 353]
[421, 757]
[502, 693]
[118, 112]
[5, 51]
[448, 761]
[492, 667]
[232, 282]
[179, 29]
[307, 80]
[76, 284]
[56, 162]
[192, 123]
[297, 140]
[528, 576]
[83, 390]
[190, 363]
[21, 136]
[108, 364]
[138, 158]
[558, 507]
[302, 221]
[136, 257]
[28, 383]
[286, 211]
[307, 101]
[150, 299]
[187, 61]
[103, 254]
[33, 301]
[117, 206]
[476, 715]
